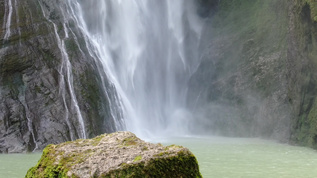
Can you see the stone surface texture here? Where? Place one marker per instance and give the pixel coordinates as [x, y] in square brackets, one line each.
[51, 90]
[119, 154]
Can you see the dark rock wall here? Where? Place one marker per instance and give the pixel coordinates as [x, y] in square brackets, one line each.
[258, 71]
[39, 86]
[302, 58]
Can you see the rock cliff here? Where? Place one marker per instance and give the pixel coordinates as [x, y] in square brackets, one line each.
[51, 87]
[241, 85]
[119, 154]
[257, 74]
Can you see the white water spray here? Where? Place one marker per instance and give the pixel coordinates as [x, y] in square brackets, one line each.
[149, 51]
[8, 21]
[114, 102]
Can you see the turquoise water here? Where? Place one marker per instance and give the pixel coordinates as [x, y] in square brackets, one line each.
[250, 158]
[16, 165]
[218, 157]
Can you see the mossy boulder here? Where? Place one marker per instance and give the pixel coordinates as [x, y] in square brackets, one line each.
[119, 154]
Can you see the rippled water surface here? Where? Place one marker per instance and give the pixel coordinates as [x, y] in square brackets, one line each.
[254, 158]
[217, 156]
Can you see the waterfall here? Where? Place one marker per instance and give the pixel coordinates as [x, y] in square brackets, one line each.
[149, 50]
[8, 20]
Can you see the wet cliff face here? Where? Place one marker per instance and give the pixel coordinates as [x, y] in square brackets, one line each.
[302, 71]
[257, 73]
[49, 80]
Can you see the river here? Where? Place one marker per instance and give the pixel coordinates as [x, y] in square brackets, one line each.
[217, 156]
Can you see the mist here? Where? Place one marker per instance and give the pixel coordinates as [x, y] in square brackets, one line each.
[240, 88]
[195, 67]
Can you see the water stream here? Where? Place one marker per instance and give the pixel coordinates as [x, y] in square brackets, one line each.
[8, 20]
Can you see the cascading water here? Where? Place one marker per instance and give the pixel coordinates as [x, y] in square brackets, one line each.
[8, 17]
[148, 49]
[66, 81]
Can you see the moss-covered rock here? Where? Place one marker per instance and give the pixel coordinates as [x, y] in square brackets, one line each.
[313, 7]
[302, 72]
[119, 154]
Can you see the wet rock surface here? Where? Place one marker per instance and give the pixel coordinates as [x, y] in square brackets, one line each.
[49, 82]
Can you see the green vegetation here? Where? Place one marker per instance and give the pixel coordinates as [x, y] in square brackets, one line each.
[138, 158]
[304, 98]
[97, 139]
[53, 164]
[130, 141]
[159, 167]
[46, 166]
[313, 8]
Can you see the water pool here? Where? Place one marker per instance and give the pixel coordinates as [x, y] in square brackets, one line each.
[217, 156]
[255, 158]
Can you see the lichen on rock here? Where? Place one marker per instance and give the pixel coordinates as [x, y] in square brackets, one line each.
[119, 154]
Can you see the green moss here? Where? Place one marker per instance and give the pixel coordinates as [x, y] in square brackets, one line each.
[137, 158]
[97, 139]
[161, 154]
[184, 165]
[308, 134]
[313, 9]
[130, 141]
[46, 167]
[53, 164]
